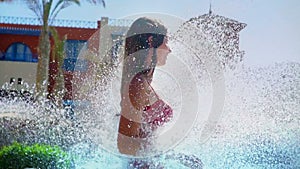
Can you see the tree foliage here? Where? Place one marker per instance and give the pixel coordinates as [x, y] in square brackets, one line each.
[19, 156]
[46, 11]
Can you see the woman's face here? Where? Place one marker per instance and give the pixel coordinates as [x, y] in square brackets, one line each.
[162, 52]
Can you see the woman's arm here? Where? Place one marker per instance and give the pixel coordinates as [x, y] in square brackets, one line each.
[130, 132]
[139, 92]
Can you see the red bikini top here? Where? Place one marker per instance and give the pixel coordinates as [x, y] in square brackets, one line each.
[157, 113]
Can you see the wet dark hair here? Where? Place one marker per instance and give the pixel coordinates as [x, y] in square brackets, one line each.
[137, 48]
[139, 32]
[139, 42]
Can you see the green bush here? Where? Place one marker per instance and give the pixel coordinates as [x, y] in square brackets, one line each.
[19, 156]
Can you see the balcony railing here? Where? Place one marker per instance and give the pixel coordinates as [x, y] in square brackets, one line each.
[55, 22]
[63, 22]
[120, 22]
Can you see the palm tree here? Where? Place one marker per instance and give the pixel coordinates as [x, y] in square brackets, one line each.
[46, 11]
[58, 55]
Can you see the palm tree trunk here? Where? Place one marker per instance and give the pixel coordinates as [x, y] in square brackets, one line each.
[43, 58]
[58, 54]
[59, 87]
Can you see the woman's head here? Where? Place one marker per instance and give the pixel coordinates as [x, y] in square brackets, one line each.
[143, 39]
[141, 29]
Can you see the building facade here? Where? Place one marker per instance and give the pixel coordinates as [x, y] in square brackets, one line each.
[19, 38]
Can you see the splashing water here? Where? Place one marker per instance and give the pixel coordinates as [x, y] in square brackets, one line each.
[258, 126]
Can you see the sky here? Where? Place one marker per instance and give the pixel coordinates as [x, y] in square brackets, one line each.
[272, 34]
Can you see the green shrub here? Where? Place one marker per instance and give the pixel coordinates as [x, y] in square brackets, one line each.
[19, 156]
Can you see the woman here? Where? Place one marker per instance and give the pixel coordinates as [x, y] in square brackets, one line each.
[142, 111]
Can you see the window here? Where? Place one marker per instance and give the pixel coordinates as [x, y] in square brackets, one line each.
[73, 48]
[18, 52]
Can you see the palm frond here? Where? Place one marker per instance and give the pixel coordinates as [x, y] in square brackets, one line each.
[36, 7]
[61, 5]
[96, 2]
[56, 9]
